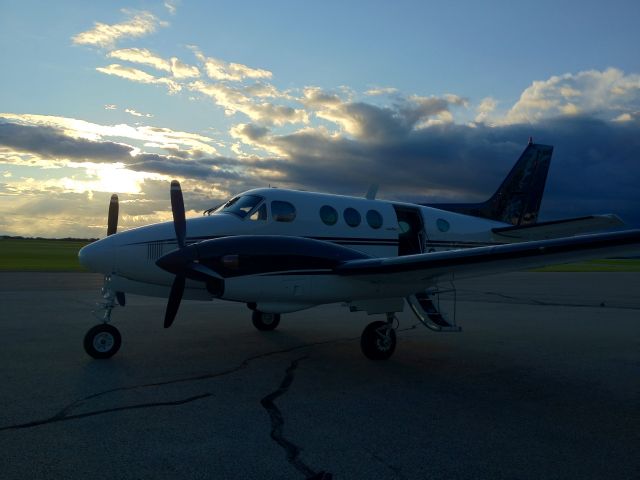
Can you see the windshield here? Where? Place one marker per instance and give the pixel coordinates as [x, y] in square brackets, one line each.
[240, 206]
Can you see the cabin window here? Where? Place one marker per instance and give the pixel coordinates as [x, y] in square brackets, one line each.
[352, 217]
[283, 211]
[329, 215]
[404, 226]
[374, 219]
[443, 225]
[240, 206]
[260, 213]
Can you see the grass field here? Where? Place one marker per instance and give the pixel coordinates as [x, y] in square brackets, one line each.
[40, 255]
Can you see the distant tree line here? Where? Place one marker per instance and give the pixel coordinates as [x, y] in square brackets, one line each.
[67, 239]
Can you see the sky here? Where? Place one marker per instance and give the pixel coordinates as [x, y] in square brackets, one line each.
[432, 100]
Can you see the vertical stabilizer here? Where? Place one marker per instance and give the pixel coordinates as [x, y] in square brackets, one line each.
[517, 200]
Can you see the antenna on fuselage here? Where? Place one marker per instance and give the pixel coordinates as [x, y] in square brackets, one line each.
[371, 193]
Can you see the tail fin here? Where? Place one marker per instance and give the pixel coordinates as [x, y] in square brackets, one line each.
[517, 200]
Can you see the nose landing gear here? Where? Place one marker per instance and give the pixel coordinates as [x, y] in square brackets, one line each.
[104, 340]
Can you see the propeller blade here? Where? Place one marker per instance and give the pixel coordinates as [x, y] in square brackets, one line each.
[177, 207]
[197, 267]
[177, 289]
[112, 219]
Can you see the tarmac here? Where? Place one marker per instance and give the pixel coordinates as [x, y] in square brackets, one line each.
[543, 382]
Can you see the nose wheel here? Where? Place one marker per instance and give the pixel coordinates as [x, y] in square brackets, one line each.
[378, 340]
[102, 341]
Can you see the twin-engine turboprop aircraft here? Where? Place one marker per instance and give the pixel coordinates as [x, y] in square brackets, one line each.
[280, 251]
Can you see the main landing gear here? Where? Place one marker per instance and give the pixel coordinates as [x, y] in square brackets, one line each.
[104, 340]
[378, 340]
[265, 321]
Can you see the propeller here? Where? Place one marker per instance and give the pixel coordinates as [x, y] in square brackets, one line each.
[112, 227]
[182, 262]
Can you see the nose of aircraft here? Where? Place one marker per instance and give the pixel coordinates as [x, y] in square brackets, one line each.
[98, 256]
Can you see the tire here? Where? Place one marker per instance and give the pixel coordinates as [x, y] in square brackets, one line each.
[378, 341]
[102, 341]
[265, 321]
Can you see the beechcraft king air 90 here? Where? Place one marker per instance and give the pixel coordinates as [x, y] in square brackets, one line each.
[281, 251]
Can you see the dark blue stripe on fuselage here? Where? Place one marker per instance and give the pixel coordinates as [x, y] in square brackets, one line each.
[350, 241]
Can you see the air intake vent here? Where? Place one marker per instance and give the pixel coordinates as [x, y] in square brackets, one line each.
[154, 250]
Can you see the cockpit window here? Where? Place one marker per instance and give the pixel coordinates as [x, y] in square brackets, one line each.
[240, 206]
[259, 213]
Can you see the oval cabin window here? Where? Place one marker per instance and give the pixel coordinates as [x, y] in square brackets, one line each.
[443, 225]
[352, 217]
[374, 219]
[328, 215]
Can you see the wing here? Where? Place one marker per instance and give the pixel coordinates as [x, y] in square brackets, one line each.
[557, 228]
[473, 262]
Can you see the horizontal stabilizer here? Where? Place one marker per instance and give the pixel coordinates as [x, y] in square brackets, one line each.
[557, 228]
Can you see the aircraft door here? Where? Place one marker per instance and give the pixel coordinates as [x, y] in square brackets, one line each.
[411, 236]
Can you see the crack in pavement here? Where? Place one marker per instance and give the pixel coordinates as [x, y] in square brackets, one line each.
[277, 425]
[58, 418]
[393, 468]
[533, 301]
[66, 413]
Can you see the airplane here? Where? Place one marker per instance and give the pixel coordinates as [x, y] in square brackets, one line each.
[280, 251]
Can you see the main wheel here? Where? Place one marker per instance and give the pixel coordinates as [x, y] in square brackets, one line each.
[102, 341]
[265, 321]
[378, 341]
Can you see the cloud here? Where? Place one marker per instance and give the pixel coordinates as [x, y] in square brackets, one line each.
[603, 94]
[182, 70]
[234, 100]
[172, 6]
[104, 35]
[372, 123]
[143, 56]
[381, 91]
[139, 76]
[131, 111]
[485, 109]
[412, 146]
[316, 98]
[51, 143]
[235, 72]
[446, 162]
[191, 144]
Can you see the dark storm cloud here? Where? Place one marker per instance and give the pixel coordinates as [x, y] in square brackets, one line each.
[595, 166]
[204, 169]
[51, 143]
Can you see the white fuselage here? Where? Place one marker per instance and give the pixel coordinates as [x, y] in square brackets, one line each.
[377, 228]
